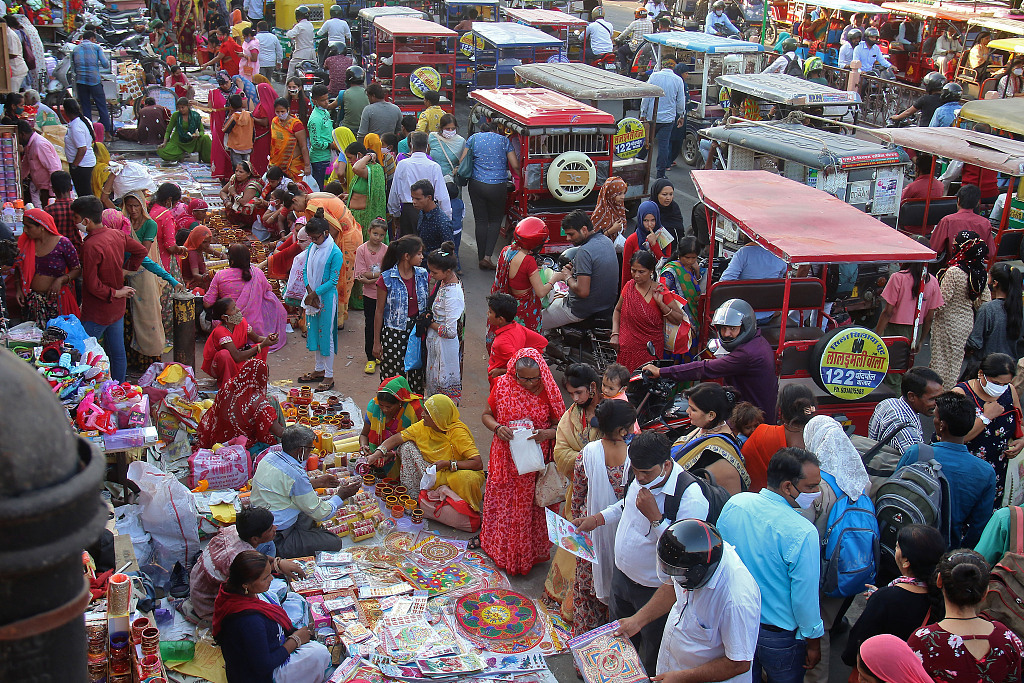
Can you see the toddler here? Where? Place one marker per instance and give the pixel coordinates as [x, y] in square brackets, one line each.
[745, 419]
[238, 128]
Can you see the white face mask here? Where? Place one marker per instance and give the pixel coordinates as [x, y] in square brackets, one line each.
[657, 481]
[717, 13]
[82, 229]
[448, 134]
[992, 389]
[282, 117]
[1018, 71]
[805, 500]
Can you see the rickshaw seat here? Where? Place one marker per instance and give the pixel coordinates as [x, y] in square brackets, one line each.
[594, 322]
[988, 85]
[767, 295]
[912, 213]
[793, 333]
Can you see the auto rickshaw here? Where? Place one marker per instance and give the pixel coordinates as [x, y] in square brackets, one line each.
[502, 45]
[843, 366]
[921, 26]
[619, 96]
[989, 153]
[1005, 49]
[1005, 116]
[318, 12]
[776, 95]
[569, 28]
[453, 12]
[785, 14]
[411, 57]
[707, 57]
[565, 150]
[366, 44]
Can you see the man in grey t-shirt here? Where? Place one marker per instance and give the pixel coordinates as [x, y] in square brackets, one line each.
[379, 116]
[593, 275]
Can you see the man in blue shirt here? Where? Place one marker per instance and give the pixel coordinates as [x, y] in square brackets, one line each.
[780, 549]
[253, 10]
[972, 489]
[89, 61]
[671, 110]
[754, 262]
[947, 112]
[869, 53]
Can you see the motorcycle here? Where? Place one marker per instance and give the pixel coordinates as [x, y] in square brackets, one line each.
[587, 341]
[659, 405]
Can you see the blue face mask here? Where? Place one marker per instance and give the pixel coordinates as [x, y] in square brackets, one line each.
[628, 438]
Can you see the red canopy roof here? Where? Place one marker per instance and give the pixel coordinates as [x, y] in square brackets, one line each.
[801, 224]
[541, 107]
[412, 26]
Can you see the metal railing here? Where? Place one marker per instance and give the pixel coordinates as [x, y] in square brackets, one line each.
[881, 98]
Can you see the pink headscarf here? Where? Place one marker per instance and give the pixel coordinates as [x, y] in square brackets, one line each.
[115, 220]
[891, 659]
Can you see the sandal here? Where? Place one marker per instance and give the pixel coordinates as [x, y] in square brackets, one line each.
[312, 377]
[326, 385]
[474, 543]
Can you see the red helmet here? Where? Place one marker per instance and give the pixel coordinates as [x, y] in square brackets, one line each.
[531, 233]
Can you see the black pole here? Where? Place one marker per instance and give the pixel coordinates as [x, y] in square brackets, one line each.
[185, 328]
[50, 511]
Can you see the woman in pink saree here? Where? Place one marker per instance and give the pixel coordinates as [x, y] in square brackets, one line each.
[261, 116]
[253, 295]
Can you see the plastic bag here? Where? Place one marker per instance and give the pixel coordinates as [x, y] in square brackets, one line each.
[131, 176]
[311, 181]
[183, 386]
[414, 353]
[526, 452]
[168, 514]
[128, 522]
[429, 478]
[228, 468]
[74, 329]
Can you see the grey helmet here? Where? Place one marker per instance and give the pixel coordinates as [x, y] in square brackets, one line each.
[736, 313]
[337, 12]
[871, 35]
[719, 5]
[301, 12]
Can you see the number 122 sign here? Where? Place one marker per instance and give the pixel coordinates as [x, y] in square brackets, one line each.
[853, 363]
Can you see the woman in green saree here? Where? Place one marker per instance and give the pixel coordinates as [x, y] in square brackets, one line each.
[185, 135]
[367, 199]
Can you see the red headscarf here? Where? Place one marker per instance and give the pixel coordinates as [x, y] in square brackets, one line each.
[240, 409]
[196, 237]
[507, 390]
[227, 604]
[28, 246]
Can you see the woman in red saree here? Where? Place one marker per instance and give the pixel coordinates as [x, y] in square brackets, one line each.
[232, 343]
[641, 313]
[48, 264]
[242, 408]
[261, 117]
[220, 161]
[514, 532]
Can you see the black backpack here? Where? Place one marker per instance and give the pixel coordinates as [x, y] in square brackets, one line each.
[794, 67]
[715, 494]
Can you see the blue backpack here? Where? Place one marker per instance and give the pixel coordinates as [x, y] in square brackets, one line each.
[849, 547]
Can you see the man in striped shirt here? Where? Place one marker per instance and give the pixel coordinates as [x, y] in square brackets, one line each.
[920, 387]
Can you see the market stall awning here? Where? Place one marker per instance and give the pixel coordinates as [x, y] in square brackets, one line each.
[801, 224]
[980, 149]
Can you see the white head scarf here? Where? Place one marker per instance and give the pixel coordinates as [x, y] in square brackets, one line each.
[826, 439]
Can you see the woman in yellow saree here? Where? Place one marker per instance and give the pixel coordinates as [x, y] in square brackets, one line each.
[441, 440]
[101, 171]
[342, 171]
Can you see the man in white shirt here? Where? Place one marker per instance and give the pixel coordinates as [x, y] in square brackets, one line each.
[671, 111]
[782, 63]
[598, 36]
[418, 166]
[336, 28]
[848, 46]
[632, 39]
[869, 53]
[717, 22]
[713, 605]
[947, 46]
[271, 52]
[302, 40]
[656, 7]
[656, 497]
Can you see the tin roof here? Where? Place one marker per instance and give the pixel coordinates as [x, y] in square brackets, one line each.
[541, 107]
[411, 26]
[702, 42]
[980, 149]
[1003, 114]
[544, 17]
[847, 6]
[371, 13]
[786, 89]
[585, 82]
[511, 34]
[801, 224]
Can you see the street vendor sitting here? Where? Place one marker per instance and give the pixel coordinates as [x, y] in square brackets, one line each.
[232, 343]
[253, 530]
[443, 442]
[281, 485]
[393, 409]
[185, 135]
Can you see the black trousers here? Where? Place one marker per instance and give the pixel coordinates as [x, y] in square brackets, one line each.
[626, 599]
[409, 220]
[369, 311]
[81, 177]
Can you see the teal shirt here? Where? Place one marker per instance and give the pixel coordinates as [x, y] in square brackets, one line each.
[781, 550]
[321, 134]
[995, 539]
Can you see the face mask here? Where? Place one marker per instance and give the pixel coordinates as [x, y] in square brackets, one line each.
[82, 229]
[233, 319]
[993, 389]
[448, 134]
[1018, 71]
[718, 14]
[282, 117]
[657, 481]
[805, 500]
[292, 92]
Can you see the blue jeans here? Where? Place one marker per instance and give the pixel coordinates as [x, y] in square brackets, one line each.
[781, 655]
[87, 94]
[663, 140]
[112, 338]
[320, 173]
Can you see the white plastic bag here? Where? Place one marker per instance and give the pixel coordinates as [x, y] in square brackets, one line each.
[429, 479]
[311, 181]
[131, 176]
[168, 514]
[128, 522]
[526, 452]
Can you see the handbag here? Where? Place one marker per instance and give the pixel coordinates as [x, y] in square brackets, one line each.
[465, 172]
[551, 486]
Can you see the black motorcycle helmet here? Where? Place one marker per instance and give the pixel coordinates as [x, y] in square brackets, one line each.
[951, 92]
[871, 35]
[566, 257]
[854, 36]
[301, 12]
[355, 75]
[736, 313]
[335, 48]
[933, 82]
[690, 551]
[337, 12]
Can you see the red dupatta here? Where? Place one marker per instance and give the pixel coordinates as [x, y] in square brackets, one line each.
[228, 604]
[66, 302]
[240, 409]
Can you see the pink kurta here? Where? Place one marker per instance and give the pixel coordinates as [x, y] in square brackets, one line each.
[255, 299]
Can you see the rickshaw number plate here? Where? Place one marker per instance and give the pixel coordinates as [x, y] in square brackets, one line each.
[725, 229]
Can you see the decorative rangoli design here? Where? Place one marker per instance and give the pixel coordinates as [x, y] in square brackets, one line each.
[495, 614]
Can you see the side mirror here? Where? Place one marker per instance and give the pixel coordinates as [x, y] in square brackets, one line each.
[651, 350]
